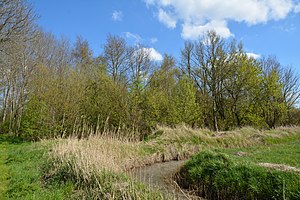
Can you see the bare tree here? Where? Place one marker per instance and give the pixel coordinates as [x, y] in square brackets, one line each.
[211, 57]
[186, 58]
[116, 54]
[291, 87]
[16, 19]
[17, 28]
[140, 64]
[19, 68]
[82, 53]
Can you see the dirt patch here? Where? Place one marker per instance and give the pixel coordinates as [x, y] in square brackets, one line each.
[160, 176]
[241, 153]
[280, 167]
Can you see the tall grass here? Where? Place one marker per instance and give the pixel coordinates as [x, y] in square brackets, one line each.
[182, 142]
[97, 166]
[242, 137]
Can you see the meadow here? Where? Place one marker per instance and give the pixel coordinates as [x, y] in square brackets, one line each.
[97, 167]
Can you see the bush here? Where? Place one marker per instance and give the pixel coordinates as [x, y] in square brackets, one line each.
[217, 176]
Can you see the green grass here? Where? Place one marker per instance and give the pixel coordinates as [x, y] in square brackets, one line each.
[287, 153]
[4, 170]
[28, 172]
[187, 141]
[218, 176]
[234, 173]
[21, 166]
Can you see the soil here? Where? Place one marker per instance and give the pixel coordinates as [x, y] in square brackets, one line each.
[160, 176]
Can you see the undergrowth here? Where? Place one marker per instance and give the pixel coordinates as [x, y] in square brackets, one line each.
[182, 142]
[217, 176]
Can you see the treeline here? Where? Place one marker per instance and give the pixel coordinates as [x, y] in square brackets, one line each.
[49, 87]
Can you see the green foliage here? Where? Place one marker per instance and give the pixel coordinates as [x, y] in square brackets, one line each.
[34, 121]
[123, 89]
[103, 100]
[273, 106]
[184, 100]
[171, 101]
[217, 176]
[158, 107]
[21, 171]
[243, 87]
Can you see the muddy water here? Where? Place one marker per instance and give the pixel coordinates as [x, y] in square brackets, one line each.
[159, 176]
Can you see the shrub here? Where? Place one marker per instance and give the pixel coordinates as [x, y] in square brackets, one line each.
[217, 176]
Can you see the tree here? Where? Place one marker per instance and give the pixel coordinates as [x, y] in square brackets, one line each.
[186, 58]
[290, 88]
[49, 86]
[116, 54]
[17, 28]
[184, 99]
[16, 20]
[82, 54]
[211, 60]
[291, 92]
[272, 99]
[242, 84]
[140, 64]
[159, 107]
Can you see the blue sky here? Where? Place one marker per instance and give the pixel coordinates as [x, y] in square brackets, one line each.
[266, 27]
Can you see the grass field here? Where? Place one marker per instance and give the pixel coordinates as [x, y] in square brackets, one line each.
[21, 166]
[287, 153]
[27, 173]
[82, 169]
[269, 171]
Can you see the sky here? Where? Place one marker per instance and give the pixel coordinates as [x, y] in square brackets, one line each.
[266, 27]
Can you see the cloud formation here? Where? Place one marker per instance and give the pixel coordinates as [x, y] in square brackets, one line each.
[198, 16]
[117, 15]
[154, 55]
[135, 37]
[190, 31]
[253, 55]
[153, 40]
[166, 19]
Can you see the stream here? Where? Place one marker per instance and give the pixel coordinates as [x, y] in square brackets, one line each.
[160, 176]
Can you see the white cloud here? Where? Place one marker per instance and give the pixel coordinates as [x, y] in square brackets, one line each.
[280, 8]
[153, 40]
[253, 55]
[152, 2]
[288, 28]
[166, 19]
[199, 15]
[117, 15]
[153, 54]
[193, 31]
[135, 37]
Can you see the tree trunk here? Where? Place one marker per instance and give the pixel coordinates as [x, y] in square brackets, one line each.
[4, 108]
[215, 117]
